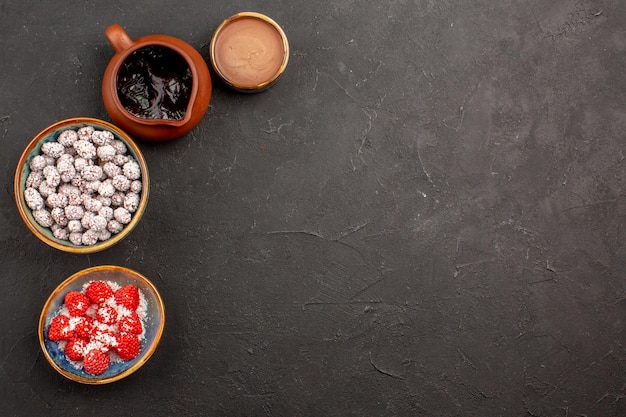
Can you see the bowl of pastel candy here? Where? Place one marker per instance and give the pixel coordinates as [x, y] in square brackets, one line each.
[81, 185]
[101, 324]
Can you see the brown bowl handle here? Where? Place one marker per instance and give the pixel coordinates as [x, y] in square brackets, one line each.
[118, 38]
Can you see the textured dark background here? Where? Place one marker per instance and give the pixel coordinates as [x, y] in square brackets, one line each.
[424, 217]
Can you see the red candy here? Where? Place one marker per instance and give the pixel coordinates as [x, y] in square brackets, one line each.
[96, 362]
[130, 324]
[84, 327]
[105, 337]
[128, 296]
[106, 314]
[98, 291]
[74, 349]
[60, 329]
[128, 345]
[101, 323]
[77, 303]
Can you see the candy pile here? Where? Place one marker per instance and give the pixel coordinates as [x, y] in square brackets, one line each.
[84, 186]
[104, 323]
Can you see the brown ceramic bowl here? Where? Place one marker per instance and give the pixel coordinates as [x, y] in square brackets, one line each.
[51, 134]
[153, 323]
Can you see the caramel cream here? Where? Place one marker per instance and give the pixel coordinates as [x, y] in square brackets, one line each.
[249, 52]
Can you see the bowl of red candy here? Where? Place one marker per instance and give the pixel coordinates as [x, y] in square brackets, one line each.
[101, 324]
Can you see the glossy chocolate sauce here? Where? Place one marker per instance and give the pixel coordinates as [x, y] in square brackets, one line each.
[155, 82]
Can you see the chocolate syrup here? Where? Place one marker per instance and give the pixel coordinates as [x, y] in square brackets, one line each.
[155, 82]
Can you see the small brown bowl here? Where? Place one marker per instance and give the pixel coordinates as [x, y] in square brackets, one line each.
[249, 52]
[50, 134]
[154, 323]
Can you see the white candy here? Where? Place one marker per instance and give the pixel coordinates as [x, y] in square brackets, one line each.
[111, 170]
[98, 139]
[37, 163]
[34, 199]
[80, 163]
[91, 204]
[114, 226]
[49, 170]
[53, 149]
[34, 179]
[59, 217]
[91, 172]
[90, 237]
[49, 160]
[53, 178]
[74, 197]
[67, 138]
[90, 187]
[136, 186]
[75, 226]
[104, 235]
[106, 212]
[84, 133]
[119, 146]
[131, 202]
[102, 137]
[83, 186]
[68, 175]
[120, 160]
[122, 215]
[66, 169]
[76, 238]
[74, 212]
[87, 219]
[55, 200]
[98, 223]
[121, 183]
[106, 201]
[60, 232]
[85, 149]
[106, 189]
[46, 189]
[131, 170]
[106, 153]
[117, 199]
[43, 217]
[66, 157]
[77, 182]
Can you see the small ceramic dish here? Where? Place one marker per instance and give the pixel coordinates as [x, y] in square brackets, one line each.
[50, 134]
[249, 52]
[153, 323]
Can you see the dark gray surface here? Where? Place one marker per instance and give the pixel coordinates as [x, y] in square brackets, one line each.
[424, 217]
